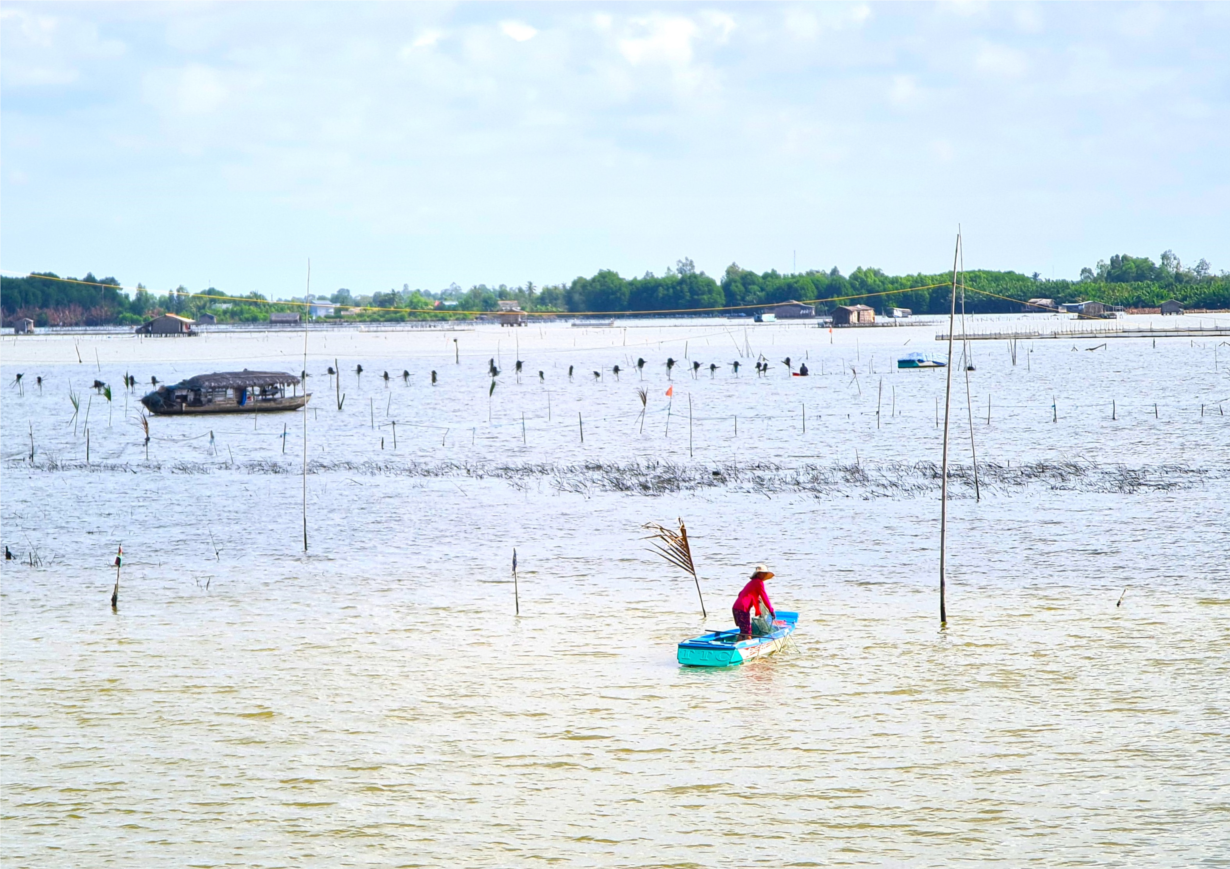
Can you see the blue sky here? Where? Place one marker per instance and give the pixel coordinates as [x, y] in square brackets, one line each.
[498, 143]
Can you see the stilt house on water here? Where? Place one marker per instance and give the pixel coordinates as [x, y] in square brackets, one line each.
[167, 324]
[228, 392]
[510, 313]
[1170, 306]
[793, 310]
[853, 315]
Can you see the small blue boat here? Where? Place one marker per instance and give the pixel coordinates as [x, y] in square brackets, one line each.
[725, 649]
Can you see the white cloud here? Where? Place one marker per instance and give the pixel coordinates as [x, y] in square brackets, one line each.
[1000, 60]
[306, 121]
[808, 22]
[721, 24]
[518, 30]
[426, 39]
[40, 50]
[192, 90]
[666, 39]
[903, 91]
[1028, 19]
[964, 8]
[1140, 21]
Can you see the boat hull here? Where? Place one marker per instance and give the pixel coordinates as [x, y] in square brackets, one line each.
[725, 649]
[294, 402]
[910, 363]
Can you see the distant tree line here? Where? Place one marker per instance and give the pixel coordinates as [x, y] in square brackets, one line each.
[1134, 282]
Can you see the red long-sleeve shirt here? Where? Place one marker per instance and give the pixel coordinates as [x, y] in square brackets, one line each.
[751, 596]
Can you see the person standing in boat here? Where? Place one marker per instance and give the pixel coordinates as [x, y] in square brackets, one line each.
[753, 597]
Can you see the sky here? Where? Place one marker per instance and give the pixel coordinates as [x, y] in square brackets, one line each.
[414, 144]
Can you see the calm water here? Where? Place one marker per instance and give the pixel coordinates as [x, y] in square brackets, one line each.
[376, 702]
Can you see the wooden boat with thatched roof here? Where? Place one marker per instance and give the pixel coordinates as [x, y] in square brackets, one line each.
[229, 392]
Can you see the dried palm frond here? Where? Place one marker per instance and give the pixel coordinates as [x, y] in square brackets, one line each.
[674, 548]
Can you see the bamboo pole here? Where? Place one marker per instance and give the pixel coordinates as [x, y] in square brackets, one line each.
[305, 439]
[952, 316]
[115, 592]
[689, 425]
[516, 589]
[581, 426]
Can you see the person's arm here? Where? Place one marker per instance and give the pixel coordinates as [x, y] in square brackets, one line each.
[768, 604]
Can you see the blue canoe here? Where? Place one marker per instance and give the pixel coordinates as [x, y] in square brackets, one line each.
[920, 360]
[725, 649]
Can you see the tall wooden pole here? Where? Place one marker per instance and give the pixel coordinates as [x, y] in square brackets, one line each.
[115, 594]
[339, 380]
[952, 316]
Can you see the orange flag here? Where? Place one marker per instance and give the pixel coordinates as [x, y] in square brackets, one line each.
[670, 390]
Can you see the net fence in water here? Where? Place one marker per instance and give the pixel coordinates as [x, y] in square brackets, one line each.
[653, 478]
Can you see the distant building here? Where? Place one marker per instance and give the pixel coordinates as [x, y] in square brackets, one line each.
[206, 320]
[853, 315]
[25, 326]
[284, 318]
[167, 324]
[1038, 306]
[322, 309]
[1170, 306]
[794, 311]
[1085, 310]
[900, 313]
[510, 313]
